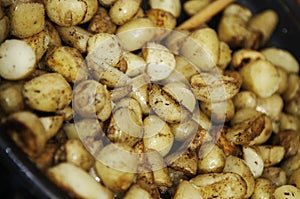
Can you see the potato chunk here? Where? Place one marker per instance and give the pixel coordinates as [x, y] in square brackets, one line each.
[27, 19]
[20, 68]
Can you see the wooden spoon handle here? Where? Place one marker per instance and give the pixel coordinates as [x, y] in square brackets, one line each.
[205, 14]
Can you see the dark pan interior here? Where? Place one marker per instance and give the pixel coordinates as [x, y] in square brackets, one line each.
[286, 36]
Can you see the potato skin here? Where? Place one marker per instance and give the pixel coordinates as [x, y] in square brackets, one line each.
[11, 98]
[74, 36]
[67, 175]
[122, 11]
[39, 43]
[290, 140]
[263, 189]
[49, 92]
[211, 185]
[4, 27]
[90, 99]
[67, 61]
[261, 77]
[27, 19]
[70, 12]
[101, 22]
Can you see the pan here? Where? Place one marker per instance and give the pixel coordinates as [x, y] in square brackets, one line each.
[286, 36]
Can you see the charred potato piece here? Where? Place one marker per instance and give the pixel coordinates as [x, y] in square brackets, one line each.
[27, 131]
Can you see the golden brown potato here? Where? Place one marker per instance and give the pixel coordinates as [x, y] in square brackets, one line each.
[52, 125]
[39, 43]
[271, 106]
[157, 135]
[163, 20]
[254, 160]
[136, 192]
[294, 179]
[4, 26]
[61, 13]
[244, 99]
[244, 56]
[235, 16]
[289, 122]
[101, 22]
[116, 166]
[140, 92]
[202, 44]
[263, 189]
[187, 190]
[111, 100]
[164, 105]
[103, 49]
[261, 77]
[134, 34]
[160, 61]
[290, 140]
[249, 127]
[290, 164]
[122, 11]
[27, 18]
[239, 166]
[67, 176]
[45, 160]
[281, 58]
[183, 94]
[219, 112]
[49, 92]
[74, 36]
[184, 161]
[211, 159]
[66, 61]
[259, 21]
[286, 191]
[224, 55]
[211, 184]
[271, 154]
[11, 98]
[125, 125]
[183, 69]
[171, 6]
[73, 151]
[54, 38]
[89, 98]
[276, 175]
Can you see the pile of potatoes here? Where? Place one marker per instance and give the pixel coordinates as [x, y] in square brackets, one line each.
[111, 100]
